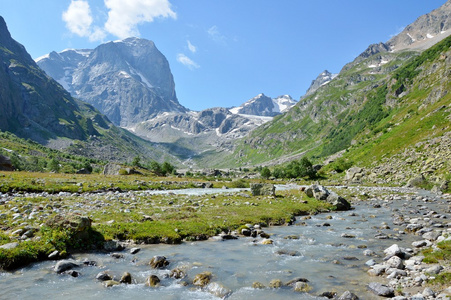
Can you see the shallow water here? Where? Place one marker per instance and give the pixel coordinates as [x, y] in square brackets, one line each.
[329, 261]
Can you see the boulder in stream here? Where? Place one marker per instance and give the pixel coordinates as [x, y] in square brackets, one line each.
[158, 262]
[202, 279]
[64, 265]
[153, 281]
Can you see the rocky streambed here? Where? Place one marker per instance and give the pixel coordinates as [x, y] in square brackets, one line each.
[369, 251]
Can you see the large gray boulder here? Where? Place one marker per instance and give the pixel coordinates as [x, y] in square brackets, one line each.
[339, 202]
[263, 189]
[320, 192]
[380, 289]
[64, 265]
[111, 169]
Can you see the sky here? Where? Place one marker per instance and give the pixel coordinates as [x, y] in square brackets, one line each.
[221, 53]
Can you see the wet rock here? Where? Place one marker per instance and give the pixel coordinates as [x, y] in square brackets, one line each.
[218, 290]
[134, 250]
[72, 273]
[158, 262]
[177, 273]
[202, 279]
[117, 255]
[111, 246]
[267, 242]
[246, 232]
[103, 276]
[347, 235]
[328, 295]
[90, 263]
[275, 283]
[339, 202]
[302, 287]
[348, 296]
[64, 265]
[288, 252]
[381, 289]
[111, 283]
[54, 255]
[153, 281]
[126, 278]
[297, 279]
[257, 285]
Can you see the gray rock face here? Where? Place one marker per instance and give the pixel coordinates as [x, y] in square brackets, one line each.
[129, 81]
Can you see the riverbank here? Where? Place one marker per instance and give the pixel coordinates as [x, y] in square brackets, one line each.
[105, 221]
[38, 225]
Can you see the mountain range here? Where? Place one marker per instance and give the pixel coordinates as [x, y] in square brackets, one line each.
[374, 99]
[36, 107]
[131, 83]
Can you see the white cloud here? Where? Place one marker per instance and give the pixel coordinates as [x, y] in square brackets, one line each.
[78, 18]
[185, 60]
[191, 47]
[124, 16]
[215, 35]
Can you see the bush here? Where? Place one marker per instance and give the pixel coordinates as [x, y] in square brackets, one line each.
[265, 173]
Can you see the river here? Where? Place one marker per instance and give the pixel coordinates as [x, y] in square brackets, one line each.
[313, 248]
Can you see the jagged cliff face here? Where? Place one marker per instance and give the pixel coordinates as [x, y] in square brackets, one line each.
[129, 81]
[425, 31]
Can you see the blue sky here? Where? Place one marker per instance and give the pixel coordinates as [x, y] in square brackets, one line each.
[221, 53]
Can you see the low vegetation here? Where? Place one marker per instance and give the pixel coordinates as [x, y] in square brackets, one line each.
[119, 209]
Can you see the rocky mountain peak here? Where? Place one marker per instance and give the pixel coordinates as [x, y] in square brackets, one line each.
[130, 80]
[426, 31]
[324, 78]
[262, 105]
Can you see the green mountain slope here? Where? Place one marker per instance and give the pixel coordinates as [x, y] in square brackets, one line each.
[378, 105]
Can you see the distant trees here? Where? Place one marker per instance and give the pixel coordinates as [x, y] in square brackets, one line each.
[296, 169]
[265, 173]
[161, 169]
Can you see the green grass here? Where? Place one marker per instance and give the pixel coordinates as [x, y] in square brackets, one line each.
[173, 218]
[443, 254]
